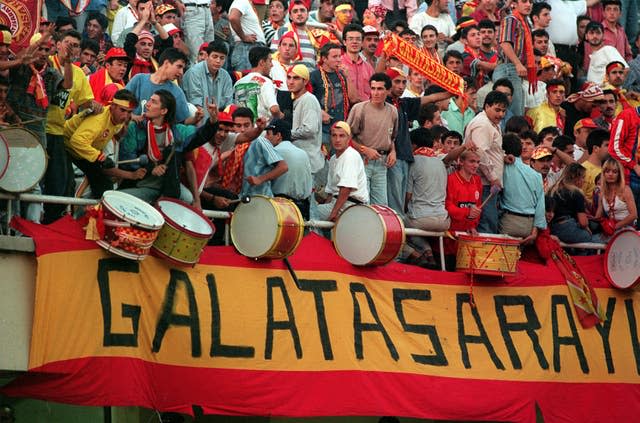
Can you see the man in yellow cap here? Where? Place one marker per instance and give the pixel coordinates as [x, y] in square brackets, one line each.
[86, 137]
[306, 129]
[347, 180]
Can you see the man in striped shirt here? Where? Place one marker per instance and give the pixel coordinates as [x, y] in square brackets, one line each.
[304, 37]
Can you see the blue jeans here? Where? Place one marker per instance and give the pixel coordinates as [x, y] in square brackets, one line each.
[198, 28]
[629, 19]
[377, 181]
[489, 218]
[508, 70]
[397, 177]
[570, 232]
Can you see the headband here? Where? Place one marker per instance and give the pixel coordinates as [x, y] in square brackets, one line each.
[124, 103]
[614, 65]
[393, 73]
[342, 7]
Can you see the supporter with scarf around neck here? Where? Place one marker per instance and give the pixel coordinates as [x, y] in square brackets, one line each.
[164, 141]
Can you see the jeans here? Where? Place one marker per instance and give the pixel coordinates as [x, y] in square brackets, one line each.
[508, 70]
[240, 55]
[377, 180]
[570, 232]
[56, 10]
[489, 218]
[58, 179]
[198, 28]
[397, 185]
[629, 19]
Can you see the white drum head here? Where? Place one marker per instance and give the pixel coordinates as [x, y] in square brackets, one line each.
[185, 217]
[359, 235]
[254, 227]
[132, 210]
[622, 259]
[27, 160]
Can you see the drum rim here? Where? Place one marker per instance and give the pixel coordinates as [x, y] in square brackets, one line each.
[156, 252]
[176, 225]
[44, 151]
[122, 216]
[384, 237]
[5, 144]
[606, 259]
[300, 234]
[485, 238]
[119, 251]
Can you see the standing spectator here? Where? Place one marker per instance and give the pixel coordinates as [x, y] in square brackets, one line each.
[549, 113]
[297, 183]
[601, 54]
[522, 200]
[614, 33]
[374, 125]
[277, 12]
[370, 45]
[347, 180]
[623, 147]
[221, 24]
[207, 81]
[197, 24]
[116, 62]
[429, 36]
[282, 60]
[459, 113]
[486, 10]
[95, 29]
[437, 14]
[343, 11]
[126, 17]
[324, 13]
[541, 18]
[516, 53]
[255, 90]
[541, 163]
[358, 70]
[597, 148]
[484, 133]
[87, 61]
[247, 33]
[307, 41]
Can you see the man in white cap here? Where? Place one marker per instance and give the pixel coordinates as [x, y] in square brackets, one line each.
[369, 45]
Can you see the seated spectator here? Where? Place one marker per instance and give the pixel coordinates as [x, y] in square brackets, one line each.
[597, 149]
[347, 180]
[95, 28]
[616, 200]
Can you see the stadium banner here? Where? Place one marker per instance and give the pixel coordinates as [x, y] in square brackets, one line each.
[238, 336]
[22, 17]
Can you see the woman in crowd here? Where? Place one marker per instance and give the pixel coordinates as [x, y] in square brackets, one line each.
[616, 199]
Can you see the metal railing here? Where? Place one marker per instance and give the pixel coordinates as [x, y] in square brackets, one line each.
[316, 224]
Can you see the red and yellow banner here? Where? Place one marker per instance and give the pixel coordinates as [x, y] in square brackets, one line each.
[22, 17]
[237, 336]
[416, 59]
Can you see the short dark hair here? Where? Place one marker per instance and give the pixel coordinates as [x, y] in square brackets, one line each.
[530, 135]
[606, 3]
[465, 31]
[257, 54]
[503, 82]
[452, 134]
[430, 28]
[399, 23]
[434, 89]
[407, 31]
[438, 132]
[421, 137]
[561, 142]
[496, 97]
[427, 113]
[325, 49]
[97, 16]
[452, 53]
[517, 125]
[89, 44]
[71, 33]
[582, 18]
[352, 28]
[537, 8]
[243, 112]
[217, 46]
[546, 131]
[172, 55]
[64, 21]
[511, 144]
[596, 138]
[540, 33]
[168, 102]
[381, 77]
[486, 24]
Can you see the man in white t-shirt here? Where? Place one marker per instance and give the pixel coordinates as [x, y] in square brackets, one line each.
[437, 14]
[255, 90]
[247, 32]
[347, 180]
[601, 54]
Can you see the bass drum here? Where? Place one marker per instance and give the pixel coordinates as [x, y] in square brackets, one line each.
[267, 227]
[368, 235]
[26, 161]
[622, 259]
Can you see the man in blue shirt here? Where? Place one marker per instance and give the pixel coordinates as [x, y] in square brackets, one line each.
[522, 200]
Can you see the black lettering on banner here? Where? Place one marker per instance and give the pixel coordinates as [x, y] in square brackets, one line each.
[218, 349]
[129, 311]
[317, 287]
[604, 330]
[529, 326]
[169, 318]
[574, 339]
[438, 358]
[482, 338]
[359, 326]
[273, 325]
[633, 331]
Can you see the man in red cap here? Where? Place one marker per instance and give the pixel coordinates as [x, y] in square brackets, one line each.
[581, 131]
[283, 59]
[116, 62]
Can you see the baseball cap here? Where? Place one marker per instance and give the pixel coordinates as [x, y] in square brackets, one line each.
[585, 123]
[300, 70]
[280, 126]
[203, 47]
[116, 53]
[164, 8]
[368, 29]
[540, 152]
[343, 125]
[225, 117]
[171, 29]
[147, 35]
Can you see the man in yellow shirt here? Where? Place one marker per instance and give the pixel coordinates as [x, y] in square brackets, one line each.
[58, 179]
[549, 113]
[85, 138]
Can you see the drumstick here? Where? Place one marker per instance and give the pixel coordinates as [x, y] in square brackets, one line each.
[246, 199]
[487, 199]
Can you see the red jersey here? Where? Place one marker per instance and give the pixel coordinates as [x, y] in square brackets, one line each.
[461, 195]
[624, 137]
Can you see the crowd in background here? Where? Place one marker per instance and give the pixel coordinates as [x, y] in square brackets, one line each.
[209, 100]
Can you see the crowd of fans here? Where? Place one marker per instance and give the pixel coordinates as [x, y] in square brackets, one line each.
[209, 100]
